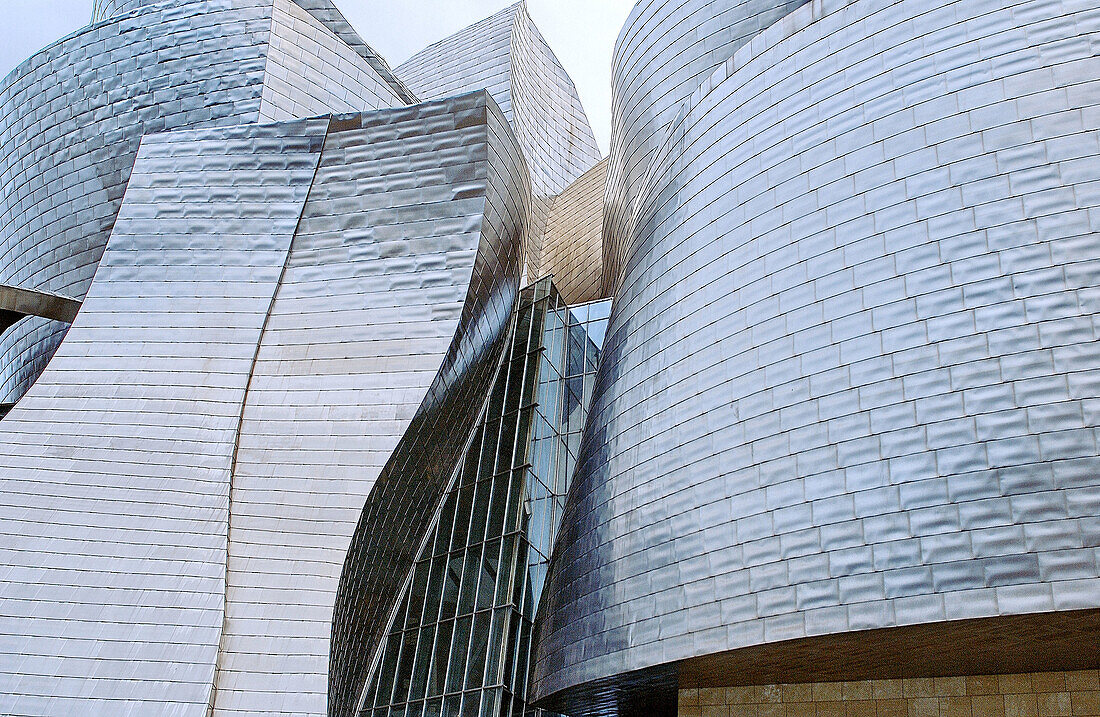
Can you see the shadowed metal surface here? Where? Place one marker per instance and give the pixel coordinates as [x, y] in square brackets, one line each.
[847, 384]
[115, 468]
[72, 116]
[398, 512]
[506, 55]
[323, 11]
[17, 303]
[573, 249]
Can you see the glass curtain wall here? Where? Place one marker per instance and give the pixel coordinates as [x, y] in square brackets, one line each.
[460, 643]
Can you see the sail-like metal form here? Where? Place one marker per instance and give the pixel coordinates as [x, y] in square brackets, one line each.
[845, 386]
[72, 117]
[508, 56]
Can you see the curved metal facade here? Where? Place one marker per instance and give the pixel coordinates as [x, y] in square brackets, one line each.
[402, 268]
[664, 52]
[845, 384]
[846, 405]
[399, 510]
[72, 116]
[116, 467]
[506, 55]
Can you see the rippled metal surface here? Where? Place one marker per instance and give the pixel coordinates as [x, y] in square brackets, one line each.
[847, 383]
[334, 23]
[507, 55]
[72, 116]
[376, 287]
[489, 167]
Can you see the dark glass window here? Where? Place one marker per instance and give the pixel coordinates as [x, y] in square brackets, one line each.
[461, 643]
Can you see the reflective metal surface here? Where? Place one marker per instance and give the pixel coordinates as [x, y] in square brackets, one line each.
[847, 383]
[846, 407]
[486, 169]
[72, 116]
[666, 49]
[507, 55]
[116, 467]
[374, 291]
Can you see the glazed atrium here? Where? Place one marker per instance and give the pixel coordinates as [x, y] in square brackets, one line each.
[331, 389]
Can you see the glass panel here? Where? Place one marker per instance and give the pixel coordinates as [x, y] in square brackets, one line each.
[510, 655]
[459, 648]
[496, 647]
[469, 582]
[434, 595]
[446, 523]
[507, 557]
[417, 591]
[433, 708]
[490, 571]
[405, 666]
[484, 492]
[490, 702]
[425, 646]
[462, 517]
[452, 706]
[389, 667]
[438, 674]
[471, 704]
[475, 668]
[499, 503]
[451, 582]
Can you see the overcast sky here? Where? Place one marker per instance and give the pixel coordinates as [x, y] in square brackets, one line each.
[582, 33]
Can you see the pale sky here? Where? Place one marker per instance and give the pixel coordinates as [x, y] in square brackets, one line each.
[581, 32]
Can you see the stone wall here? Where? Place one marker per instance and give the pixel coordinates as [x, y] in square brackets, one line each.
[1042, 694]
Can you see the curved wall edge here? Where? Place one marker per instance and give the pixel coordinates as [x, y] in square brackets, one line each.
[855, 442]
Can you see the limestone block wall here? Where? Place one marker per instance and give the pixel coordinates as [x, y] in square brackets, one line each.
[1040, 694]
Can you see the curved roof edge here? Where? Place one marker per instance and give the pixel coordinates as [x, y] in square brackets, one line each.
[322, 10]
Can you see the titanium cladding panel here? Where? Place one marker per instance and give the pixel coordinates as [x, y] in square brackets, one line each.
[406, 246]
[71, 120]
[268, 320]
[398, 512]
[72, 116]
[506, 55]
[664, 52]
[850, 379]
[573, 249]
[116, 468]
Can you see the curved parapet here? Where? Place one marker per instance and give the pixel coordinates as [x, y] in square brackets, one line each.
[115, 468]
[573, 249]
[507, 56]
[490, 172]
[664, 52]
[72, 116]
[874, 418]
